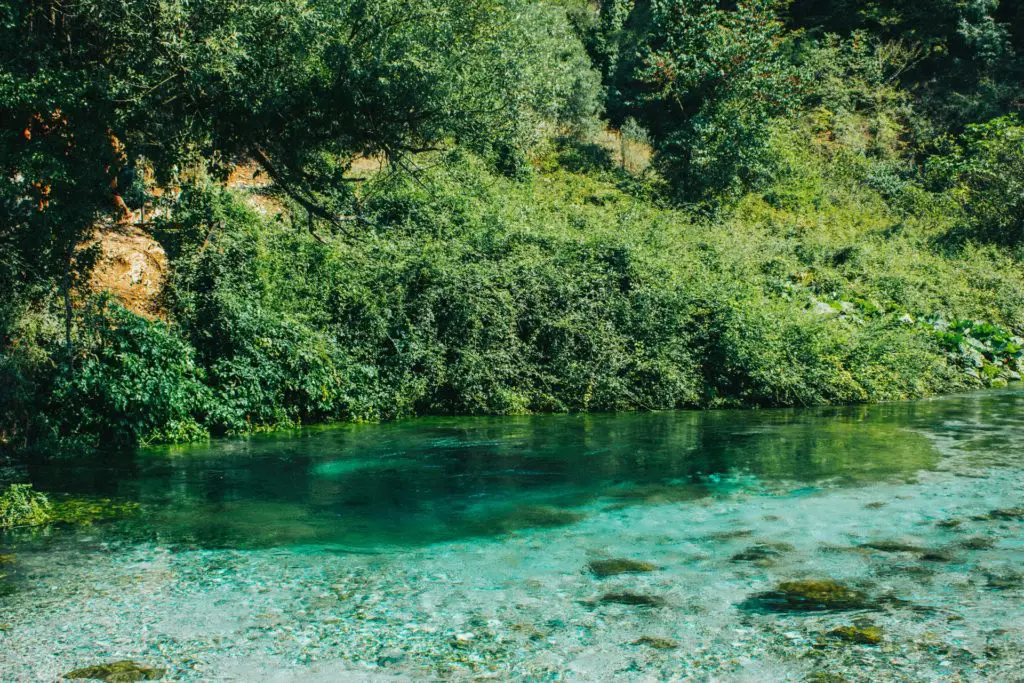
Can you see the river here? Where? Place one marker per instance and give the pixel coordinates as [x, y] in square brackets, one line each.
[867, 543]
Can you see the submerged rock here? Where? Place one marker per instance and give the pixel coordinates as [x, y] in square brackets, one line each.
[730, 535]
[861, 635]
[1006, 580]
[634, 599]
[612, 567]
[124, 671]
[528, 517]
[762, 553]
[810, 596]
[1007, 514]
[657, 643]
[889, 546]
[978, 543]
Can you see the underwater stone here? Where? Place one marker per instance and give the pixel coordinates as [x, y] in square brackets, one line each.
[937, 555]
[657, 643]
[634, 599]
[604, 568]
[949, 523]
[809, 596]
[1007, 580]
[124, 671]
[892, 547]
[1007, 514]
[861, 635]
[762, 553]
[978, 543]
[6, 559]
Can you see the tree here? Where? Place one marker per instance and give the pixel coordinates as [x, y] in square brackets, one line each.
[714, 79]
[89, 88]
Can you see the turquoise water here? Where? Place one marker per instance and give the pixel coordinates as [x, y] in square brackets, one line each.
[454, 549]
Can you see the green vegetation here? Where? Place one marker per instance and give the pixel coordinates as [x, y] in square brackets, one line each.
[20, 506]
[833, 214]
[117, 672]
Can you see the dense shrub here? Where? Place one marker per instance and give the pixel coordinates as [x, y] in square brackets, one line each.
[984, 173]
[133, 381]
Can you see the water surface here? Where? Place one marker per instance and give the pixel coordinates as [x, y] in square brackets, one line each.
[459, 548]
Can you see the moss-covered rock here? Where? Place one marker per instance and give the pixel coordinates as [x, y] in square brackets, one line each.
[657, 643]
[634, 599]
[763, 553]
[1004, 580]
[861, 635]
[978, 543]
[810, 596]
[124, 671]
[6, 560]
[615, 566]
[889, 546]
[1007, 514]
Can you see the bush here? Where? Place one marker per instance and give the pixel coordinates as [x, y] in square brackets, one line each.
[133, 381]
[20, 505]
[984, 172]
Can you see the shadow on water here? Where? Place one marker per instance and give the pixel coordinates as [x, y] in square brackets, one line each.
[438, 479]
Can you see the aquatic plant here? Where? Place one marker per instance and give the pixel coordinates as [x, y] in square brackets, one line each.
[656, 642]
[21, 505]
[762, 553]
[634, 599]
[613, 567]
[809, 596]
[124, 671]
[87, 511]
[861, 635]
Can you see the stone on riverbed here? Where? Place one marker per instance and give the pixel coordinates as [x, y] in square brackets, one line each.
[860, 635]
[763, 554]
[634, 599]
[657, 643]
[823, 595]
[613, 567]
[125, 671]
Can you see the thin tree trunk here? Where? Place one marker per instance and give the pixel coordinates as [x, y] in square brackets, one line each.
[68, 312]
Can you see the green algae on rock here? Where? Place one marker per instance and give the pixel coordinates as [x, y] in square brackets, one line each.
[809, 596]
[6, 560]
[656, 642]
[978, 543]
[763, 553]
[861, 635]
[87, 511]
[1007, 514]
[1004, 580]
[615, 566]
[888, 546]
[634, 599]
[125, 671]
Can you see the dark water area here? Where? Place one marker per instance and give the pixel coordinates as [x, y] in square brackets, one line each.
[436, 479]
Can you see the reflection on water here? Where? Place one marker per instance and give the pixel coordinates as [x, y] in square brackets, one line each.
[877, 543]
[430, 480]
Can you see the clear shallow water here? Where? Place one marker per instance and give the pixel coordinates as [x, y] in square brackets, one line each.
[459, 548]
